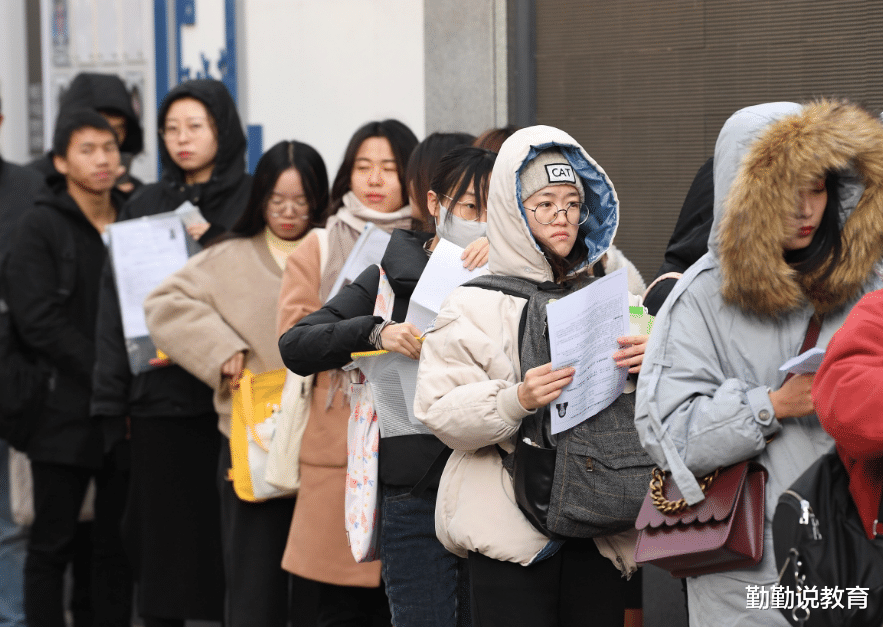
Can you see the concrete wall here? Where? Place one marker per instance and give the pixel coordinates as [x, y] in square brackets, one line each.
[465, 61]
[315, 71]
[13, 82]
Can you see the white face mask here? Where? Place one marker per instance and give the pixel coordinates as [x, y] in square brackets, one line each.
[457, 230]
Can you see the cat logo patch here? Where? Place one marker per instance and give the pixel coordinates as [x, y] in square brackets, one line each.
[560, 173]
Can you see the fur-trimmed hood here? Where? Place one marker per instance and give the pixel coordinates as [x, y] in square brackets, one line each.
[763, 155]
[513, 250]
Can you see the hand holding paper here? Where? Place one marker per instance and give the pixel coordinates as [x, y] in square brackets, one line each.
[806, 362]
[542, 385]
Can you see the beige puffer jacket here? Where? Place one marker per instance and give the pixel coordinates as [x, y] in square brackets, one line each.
[470, 367]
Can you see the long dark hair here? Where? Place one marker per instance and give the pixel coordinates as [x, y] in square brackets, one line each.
[422, 165]
[461, 167]
[400, 138]
[826, 248]
[284, 155]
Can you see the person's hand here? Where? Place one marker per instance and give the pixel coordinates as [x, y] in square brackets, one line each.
[401, 338]
[542, 385]
[232, 368]
[631, 356]
[794, 398]
[476, 254]
[198, 230]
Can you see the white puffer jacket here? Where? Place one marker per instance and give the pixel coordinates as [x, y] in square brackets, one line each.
[470, 368]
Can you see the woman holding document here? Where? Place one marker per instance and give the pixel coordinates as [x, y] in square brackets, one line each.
[168, 412]
[420, 575]
[216, 316]
[796, 235]
[472, 394]
[369, 187]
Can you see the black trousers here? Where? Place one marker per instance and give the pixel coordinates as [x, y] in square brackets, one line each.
[59, 490]
[351, 606]
[576, 587]
[253, 536]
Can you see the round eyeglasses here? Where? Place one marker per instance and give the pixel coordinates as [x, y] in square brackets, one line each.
[574, 212]
[468, 211]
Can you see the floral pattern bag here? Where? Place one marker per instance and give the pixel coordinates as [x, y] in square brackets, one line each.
[362, 497]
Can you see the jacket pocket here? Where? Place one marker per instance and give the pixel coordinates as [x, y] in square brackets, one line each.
[596, 494]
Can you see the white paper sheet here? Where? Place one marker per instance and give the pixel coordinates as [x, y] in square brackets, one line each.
[583, 328]
[144, 251]
[393, 379]
[805, 362]
[443, 273]
[368, 250]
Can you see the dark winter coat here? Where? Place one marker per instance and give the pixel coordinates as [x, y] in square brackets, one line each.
[324, 340]
[171, 391]
[19, 188]
[689, 241]
[59, 328]
[102, 92]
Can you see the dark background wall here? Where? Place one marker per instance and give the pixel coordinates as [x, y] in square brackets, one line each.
[645, 86]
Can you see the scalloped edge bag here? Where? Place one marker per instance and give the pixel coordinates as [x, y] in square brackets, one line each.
[722, 532]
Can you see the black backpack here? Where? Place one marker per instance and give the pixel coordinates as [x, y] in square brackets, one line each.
[25, 378]
[589, 480]
[819, 542]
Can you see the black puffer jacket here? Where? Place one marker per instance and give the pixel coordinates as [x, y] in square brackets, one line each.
[172, 391]
[106, 92]
[324, 340]
[59, 328]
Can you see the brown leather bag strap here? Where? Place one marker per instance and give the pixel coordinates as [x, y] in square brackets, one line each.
[812, 336]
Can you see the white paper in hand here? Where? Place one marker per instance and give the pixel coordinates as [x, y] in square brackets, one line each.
[804, 363]
[443, 273]
[190, 214]
[583, 327]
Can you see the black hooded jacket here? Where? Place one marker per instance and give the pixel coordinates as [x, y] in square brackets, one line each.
[689, 241]
[19, 187]
[54, 239]
[171, 391]
[102, 92]
[324, 340]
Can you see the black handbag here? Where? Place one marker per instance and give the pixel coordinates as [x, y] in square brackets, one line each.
[819, 543]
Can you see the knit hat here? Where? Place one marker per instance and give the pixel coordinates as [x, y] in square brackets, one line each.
[550, 167]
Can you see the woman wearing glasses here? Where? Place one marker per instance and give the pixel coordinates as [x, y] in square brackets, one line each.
[420, 575]
[216, 316]
[174, 426]
[552, 213]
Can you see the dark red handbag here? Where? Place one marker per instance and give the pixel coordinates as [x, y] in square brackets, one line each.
[722, 532]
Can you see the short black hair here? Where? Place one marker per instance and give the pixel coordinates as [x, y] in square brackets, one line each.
[461, 167]
[402, 141]
[281, 157]
[422, 164]
[69, 122]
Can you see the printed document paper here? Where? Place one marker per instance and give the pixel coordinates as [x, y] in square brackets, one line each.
[443, 273]
[144, 252]
[393, 379]
[583, 328]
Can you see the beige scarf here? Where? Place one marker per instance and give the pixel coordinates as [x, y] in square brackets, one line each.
[344, 228]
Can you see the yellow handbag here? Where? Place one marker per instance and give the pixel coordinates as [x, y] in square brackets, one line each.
[255, 410]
